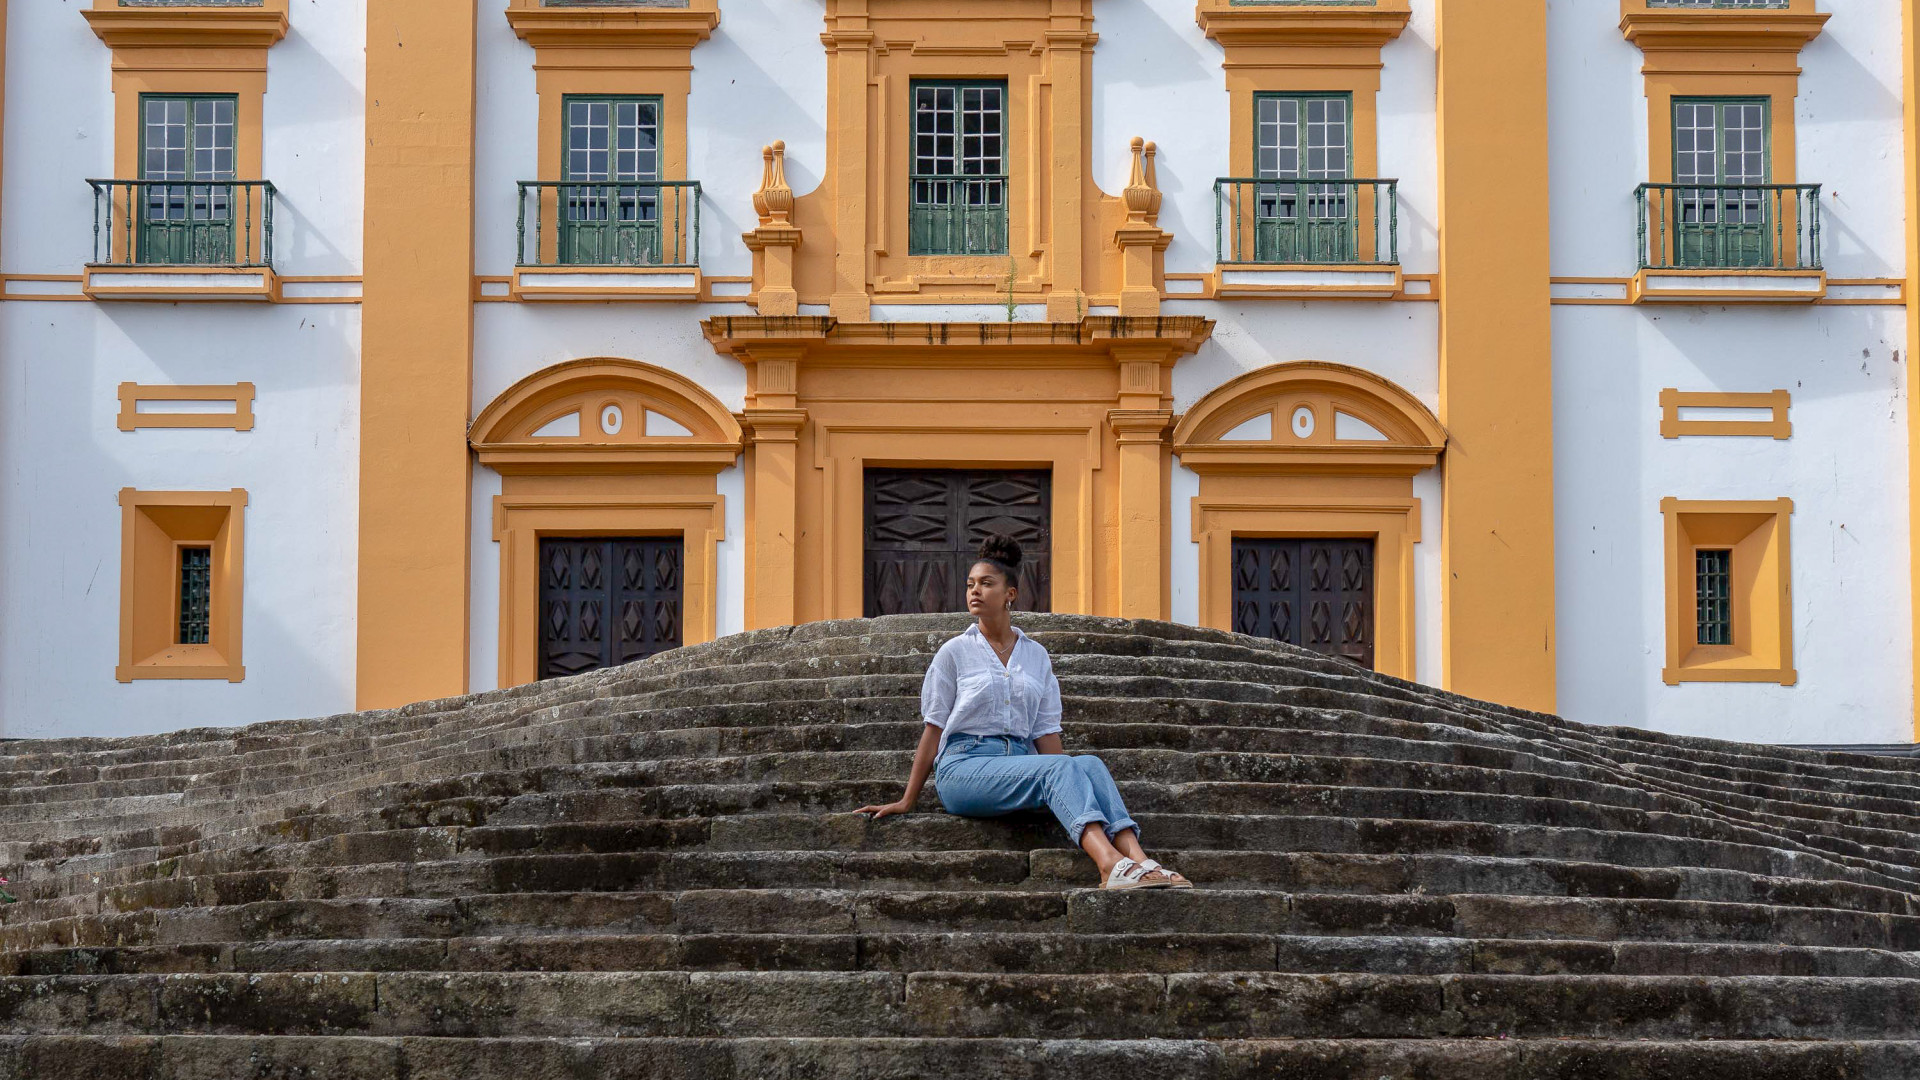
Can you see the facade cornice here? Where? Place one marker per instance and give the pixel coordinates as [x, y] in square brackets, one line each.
[612, 27]
[189, 27]
[1729, 40]
[1291, 25]
[1172, 336]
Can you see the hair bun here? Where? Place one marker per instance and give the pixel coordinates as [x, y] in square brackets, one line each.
[1001, 549]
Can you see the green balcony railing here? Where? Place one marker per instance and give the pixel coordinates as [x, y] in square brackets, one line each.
[1729, 226]
[609, 223]
[183, 223]
[1327, 221]
[958, 215]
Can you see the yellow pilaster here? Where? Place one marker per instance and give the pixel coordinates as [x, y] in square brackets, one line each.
[1496, 389]
[1142, 438]
[773, 417]
[416, 348]
[1910, 83]
[847, 122]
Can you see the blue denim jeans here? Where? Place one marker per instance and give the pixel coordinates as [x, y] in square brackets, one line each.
[990, 775]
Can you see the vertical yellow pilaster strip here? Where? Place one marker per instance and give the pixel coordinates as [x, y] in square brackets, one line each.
[1910, 95]
[1496, 385]
[416, 351]
[851, 128]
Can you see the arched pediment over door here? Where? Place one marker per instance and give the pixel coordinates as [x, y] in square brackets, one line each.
[1312, 450]
[606, 448]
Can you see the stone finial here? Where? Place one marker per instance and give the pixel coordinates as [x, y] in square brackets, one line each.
[774, 201]
[1141, 194]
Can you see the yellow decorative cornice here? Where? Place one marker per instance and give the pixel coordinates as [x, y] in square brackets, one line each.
[1721, 40]
[642, 27]
[189, 27]
[1316, 26]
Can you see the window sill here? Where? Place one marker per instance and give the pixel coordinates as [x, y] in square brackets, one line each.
[1304, 281]
[182, 662]
[1674, 286]
[133, 281]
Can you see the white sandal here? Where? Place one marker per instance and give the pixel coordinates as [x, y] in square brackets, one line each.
[1175, 879]
[1127, 874]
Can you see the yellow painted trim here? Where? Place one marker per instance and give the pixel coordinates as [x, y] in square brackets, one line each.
[1673, 400]
[503, 434]
[1723, 52]
[187, 50]
[1496, 342]
[154, 525]
[645, 51]
[1896, 298]
[132, 394]
[1910, 143]
[416, 353]
[635, 507]
[1390, 520]
[1758, 533]
[1064, 235]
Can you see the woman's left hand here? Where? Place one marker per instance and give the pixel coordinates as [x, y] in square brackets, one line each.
[882, 810]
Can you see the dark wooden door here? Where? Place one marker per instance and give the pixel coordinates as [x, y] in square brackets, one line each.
[607, 600]
[1311, 592]
[924, 526]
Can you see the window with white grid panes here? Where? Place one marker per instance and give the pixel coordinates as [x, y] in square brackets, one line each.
[610, 158]
[1301, 137]
[959, 204]
[187, 146]
[1720, 156]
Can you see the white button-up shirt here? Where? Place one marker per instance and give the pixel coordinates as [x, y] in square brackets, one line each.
[968, 691]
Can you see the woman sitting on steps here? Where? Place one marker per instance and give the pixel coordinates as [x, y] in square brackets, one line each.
[992, 735]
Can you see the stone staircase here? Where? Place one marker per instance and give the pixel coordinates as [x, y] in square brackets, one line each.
[655, 871]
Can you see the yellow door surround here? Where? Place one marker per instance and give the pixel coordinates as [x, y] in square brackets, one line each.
[603, 447]
[826, 399]
[1316, 450]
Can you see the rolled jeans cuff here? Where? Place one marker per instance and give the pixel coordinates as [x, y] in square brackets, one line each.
[1111, 828]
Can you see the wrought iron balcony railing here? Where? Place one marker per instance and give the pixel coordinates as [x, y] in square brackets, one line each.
[609, 223]
[958, 215]
[1325, 221]
[225, 223]
[1729, 226]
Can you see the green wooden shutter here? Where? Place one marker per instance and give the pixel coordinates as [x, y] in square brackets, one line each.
[186, 151]
[1298, 139]
[958, 203]
[609, 211]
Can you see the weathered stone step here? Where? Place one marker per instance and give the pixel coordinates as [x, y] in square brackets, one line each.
[1029, 953]
[197, 1057]
[688, 851]
[921, 1004]
[626, 906]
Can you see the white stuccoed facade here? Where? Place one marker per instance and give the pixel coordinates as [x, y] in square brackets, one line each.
[762, 77]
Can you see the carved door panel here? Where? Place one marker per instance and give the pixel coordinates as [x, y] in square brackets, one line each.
[607, 600]
[924, 526]
[1311, 592]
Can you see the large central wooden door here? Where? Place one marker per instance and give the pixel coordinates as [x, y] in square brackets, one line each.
[1311, 592]
[924, 526]
[607, 600]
